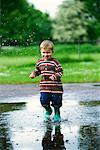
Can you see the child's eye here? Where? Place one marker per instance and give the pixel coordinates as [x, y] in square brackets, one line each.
[46, 52]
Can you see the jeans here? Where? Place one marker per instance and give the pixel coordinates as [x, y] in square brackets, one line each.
[55, 99]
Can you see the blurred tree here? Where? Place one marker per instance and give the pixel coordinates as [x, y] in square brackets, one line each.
[22, 24]
[70, 22]
[93, 8]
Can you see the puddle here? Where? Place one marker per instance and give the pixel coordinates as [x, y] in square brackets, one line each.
[89, 137]
[22, 126]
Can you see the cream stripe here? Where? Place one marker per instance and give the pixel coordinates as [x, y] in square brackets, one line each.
[51, 91]
[47, 71]
[47, 74]
[51, 84]
[47, 63]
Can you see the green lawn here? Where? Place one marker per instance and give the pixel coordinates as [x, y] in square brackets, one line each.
[80, 65]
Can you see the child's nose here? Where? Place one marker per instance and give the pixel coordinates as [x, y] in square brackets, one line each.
[46, 54]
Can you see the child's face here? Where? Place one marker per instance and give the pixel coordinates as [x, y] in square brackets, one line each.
[46, 53]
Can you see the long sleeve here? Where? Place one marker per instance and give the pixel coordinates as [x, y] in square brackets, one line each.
[59, 71]
[37, 71]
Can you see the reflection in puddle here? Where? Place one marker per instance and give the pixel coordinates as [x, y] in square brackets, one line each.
[90, 103]
[96, 85]
[89, 137]
[5, 137]
[5, 134]
[53, 141]
[5, 107]
[22, 126]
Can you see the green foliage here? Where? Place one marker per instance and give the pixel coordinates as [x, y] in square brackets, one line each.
[93, 9]
[77, 20]
[71, 22]
[22, 24]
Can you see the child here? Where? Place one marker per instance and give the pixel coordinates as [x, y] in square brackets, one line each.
[51, 88]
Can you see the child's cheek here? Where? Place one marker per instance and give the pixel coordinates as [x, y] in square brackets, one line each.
[46, 55]
[42, 54]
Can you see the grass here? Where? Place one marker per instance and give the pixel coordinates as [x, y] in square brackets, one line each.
[80, 64]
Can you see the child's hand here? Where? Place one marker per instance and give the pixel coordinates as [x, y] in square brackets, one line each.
[52, 78]
[32, 75]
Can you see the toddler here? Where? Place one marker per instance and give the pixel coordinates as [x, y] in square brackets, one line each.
[51, 88]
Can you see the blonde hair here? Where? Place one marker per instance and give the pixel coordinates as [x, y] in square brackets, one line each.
[47, 43]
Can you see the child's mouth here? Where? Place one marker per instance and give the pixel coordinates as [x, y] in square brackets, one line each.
[47, 56]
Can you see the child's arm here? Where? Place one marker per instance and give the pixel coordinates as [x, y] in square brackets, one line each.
[58, 74]
[35, 73]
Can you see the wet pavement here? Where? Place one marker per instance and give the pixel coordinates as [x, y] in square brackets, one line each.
[22, 126]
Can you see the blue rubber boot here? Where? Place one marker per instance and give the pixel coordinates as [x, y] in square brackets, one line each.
[57, 117]
[48, 112]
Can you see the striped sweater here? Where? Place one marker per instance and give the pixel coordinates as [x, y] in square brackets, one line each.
[47, 68]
